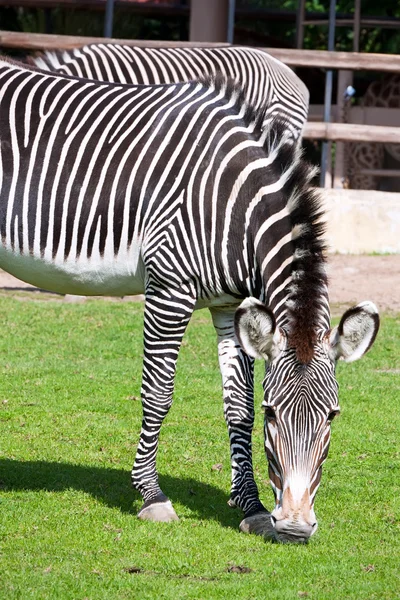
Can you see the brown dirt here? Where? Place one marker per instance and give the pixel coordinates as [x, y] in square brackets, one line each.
[352, 279]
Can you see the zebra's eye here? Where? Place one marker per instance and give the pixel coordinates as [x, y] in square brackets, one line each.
[270, 413]
[332, 415]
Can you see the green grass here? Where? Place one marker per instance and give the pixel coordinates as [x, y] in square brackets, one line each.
[69, 423]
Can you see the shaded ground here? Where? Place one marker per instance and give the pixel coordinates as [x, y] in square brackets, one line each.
[352, 279]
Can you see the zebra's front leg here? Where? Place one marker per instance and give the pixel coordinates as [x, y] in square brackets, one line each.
[165, 321]
[237, 370]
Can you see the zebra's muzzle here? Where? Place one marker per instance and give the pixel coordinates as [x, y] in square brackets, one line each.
[294, 520]
[288, 531]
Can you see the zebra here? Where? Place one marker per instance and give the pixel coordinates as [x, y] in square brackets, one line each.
[267, 81]
[180, 192]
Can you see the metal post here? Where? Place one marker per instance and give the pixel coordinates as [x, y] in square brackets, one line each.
[209, 20]
[343, 106]
[300, 15]
[108, 19]
[356, 27]
[231, 22]
[328, 89]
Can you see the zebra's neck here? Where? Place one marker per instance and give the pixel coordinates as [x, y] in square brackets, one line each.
[288, 278]
[287, 233]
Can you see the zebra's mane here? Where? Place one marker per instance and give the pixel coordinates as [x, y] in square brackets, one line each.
[306, 306]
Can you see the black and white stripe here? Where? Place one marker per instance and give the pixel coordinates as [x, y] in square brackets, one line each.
[268, 82]
[181, 191]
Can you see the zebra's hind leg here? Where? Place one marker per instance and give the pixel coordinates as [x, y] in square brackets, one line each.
[165, 320]
[237, 371]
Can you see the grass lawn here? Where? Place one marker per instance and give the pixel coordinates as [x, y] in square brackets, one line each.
[69, 422]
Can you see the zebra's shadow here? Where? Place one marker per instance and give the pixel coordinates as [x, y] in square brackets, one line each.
[112, 487]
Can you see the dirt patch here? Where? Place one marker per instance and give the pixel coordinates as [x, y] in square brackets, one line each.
[352, 279]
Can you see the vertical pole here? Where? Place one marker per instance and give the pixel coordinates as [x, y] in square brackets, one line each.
[108, 19]
[356, 26]
[209, 20]
[345, 79]
[231, 22]
[300, 14]
[328, 89]
[343, 102]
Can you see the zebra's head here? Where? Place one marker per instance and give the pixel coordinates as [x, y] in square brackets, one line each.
[300, 402]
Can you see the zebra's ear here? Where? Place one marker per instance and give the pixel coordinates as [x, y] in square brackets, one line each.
[256, 330]
[356, 332]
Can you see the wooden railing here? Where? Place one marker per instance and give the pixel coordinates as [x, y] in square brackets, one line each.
[352, 61]
[350, 132]
[47, 41]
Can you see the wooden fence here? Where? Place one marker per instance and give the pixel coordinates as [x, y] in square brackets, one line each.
[345, 132]
[352, 61]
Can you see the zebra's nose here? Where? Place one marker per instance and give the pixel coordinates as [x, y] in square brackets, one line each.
[290, 531]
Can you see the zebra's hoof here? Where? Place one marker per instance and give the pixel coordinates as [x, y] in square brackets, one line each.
[260, 524]
[161, 512]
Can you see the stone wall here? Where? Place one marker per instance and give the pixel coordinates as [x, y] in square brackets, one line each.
[362, 222]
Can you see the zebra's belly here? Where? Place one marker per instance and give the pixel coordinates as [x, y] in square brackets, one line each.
[112, 276]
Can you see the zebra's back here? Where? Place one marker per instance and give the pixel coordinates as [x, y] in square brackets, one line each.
[267, 81]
